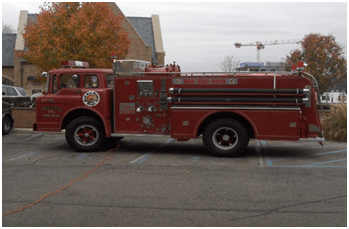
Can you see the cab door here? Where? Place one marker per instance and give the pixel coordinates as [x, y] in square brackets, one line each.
[64, 95]
[95, 96]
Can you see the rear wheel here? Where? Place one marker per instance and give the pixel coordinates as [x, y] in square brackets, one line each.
[226, 138]
[85, 134]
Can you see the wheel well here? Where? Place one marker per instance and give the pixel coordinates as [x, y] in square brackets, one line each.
[231, 115]
[78, 113]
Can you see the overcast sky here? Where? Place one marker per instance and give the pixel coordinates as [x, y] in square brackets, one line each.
[199, 35]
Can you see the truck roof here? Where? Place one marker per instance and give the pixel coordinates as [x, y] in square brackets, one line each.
[82, 70]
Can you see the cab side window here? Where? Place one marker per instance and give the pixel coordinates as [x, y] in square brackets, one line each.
[91, 81]
[110, 80]
[70, 81]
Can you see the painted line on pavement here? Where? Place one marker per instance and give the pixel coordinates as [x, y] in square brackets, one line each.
[33, 136]
[141, 159]
[325, 162]
[195, 159]
[319, 164]
[260, 148]
[25, 155]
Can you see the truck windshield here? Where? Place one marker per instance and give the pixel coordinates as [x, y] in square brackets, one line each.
[47, 84]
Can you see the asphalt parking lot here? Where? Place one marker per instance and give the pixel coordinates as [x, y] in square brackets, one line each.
[162, 182]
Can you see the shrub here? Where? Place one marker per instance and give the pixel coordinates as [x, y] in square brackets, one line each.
[24, 102]
[335, 124]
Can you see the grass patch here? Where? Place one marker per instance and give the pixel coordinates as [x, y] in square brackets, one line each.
[335, 123]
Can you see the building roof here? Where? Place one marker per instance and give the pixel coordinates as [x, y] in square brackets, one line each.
[144, 28]
[32, 17]
[142, 25]
[8, 45]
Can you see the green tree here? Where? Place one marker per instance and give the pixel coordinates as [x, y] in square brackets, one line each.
[324, 58]
[74, 31]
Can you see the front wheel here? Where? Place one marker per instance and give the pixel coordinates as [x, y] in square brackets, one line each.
[226, 138]
[85, 134]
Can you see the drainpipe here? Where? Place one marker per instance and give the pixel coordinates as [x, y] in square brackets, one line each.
[23, 61]
[22, 70]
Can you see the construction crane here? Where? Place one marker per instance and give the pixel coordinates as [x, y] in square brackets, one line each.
[260, 45]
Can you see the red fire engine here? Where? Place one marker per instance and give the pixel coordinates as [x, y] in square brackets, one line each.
[138, 99]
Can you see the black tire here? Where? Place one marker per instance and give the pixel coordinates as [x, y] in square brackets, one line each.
[6, 125]
[226, 138]
[85, 134]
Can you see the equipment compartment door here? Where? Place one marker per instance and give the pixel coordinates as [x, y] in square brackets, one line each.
[125, 92]
[284, 125]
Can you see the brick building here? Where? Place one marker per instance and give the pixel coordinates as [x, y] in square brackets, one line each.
[144, 32]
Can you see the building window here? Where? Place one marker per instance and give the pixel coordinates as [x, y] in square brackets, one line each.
[7, 81]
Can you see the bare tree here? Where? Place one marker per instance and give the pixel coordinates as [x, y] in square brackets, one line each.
[6, 28]
[229, 64]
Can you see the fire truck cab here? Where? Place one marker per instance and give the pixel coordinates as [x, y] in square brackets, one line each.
[136, 98]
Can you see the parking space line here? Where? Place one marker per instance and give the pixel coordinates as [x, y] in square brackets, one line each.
[269, 162]
[319, 164]
[337, 151]
[195, 159]
[325, 162]
[25, 155]
[33, 136]
[168, 141]
[260, 147]
[141, 159]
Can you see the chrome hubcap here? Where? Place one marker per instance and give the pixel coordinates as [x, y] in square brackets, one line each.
[225, 138]
[86, 135]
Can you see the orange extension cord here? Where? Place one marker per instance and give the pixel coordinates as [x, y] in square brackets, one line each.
[71, 183]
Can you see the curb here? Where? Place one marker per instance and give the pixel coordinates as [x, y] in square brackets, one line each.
[19, 130]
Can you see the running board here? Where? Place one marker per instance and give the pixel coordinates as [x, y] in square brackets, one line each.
[141, 135]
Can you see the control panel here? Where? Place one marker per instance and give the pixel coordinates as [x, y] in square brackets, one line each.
[142, 106]
[145, 88]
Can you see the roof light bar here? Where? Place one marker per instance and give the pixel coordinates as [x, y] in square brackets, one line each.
[299, 67]
[77, 64]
